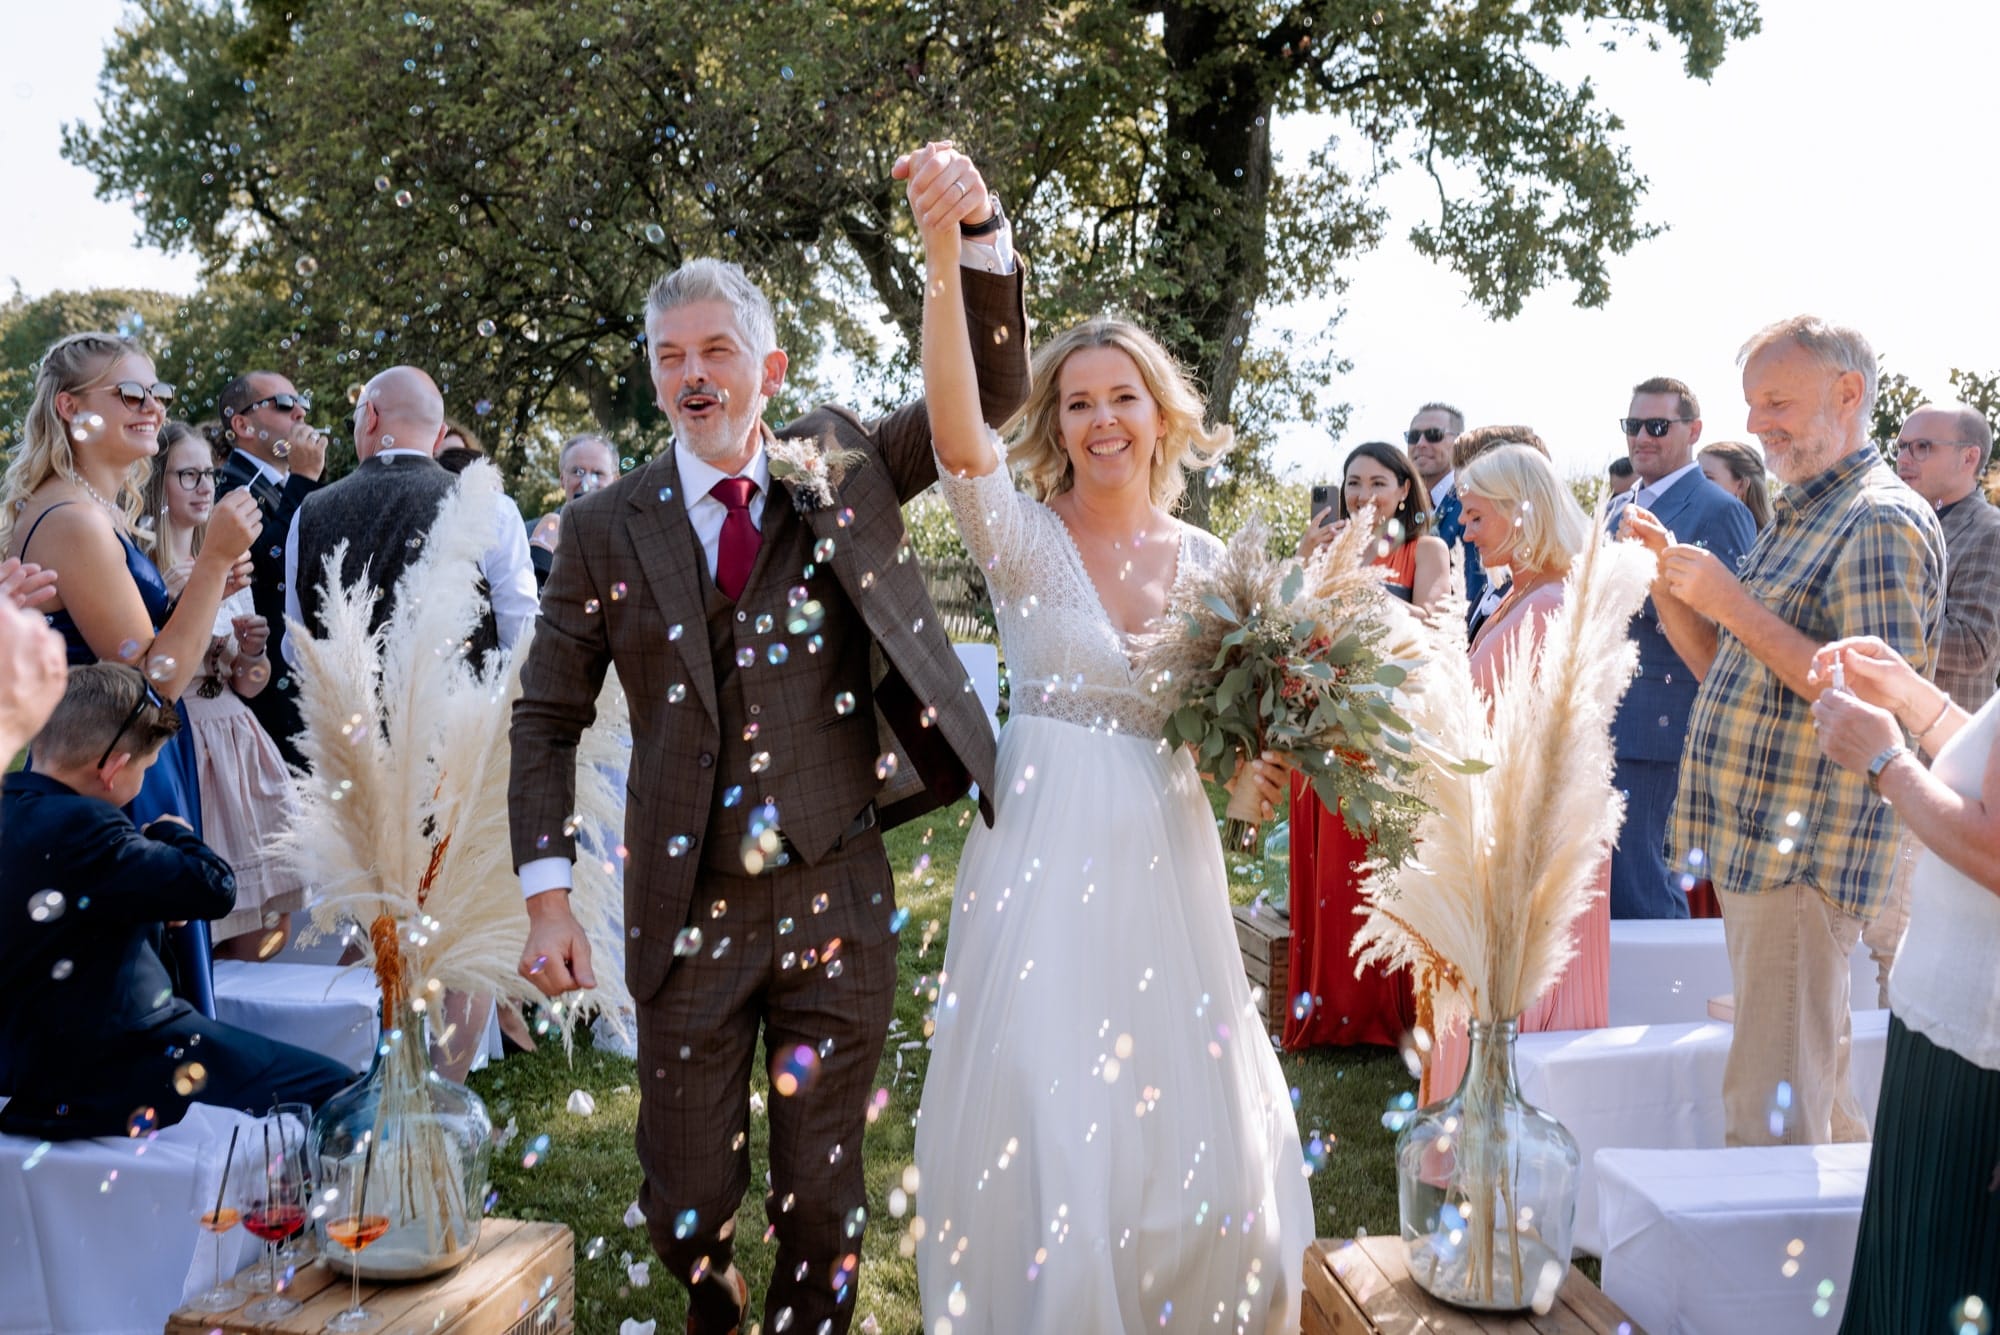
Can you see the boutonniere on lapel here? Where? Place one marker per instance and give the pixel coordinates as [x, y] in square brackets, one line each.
[813, 474]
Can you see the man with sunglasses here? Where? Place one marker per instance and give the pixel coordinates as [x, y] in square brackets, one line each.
[1433, 431]
[1651, 727]
[279, 459]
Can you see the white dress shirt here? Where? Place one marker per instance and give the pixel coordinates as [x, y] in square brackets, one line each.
[1649, 496]
[506, 567]
[1442, 489]
[704, 512]
[275, 475]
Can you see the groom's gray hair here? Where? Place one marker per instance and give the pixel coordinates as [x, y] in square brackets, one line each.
[718, 280]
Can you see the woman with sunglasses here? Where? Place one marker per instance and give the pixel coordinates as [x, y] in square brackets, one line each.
[246, 792]
[69, 502]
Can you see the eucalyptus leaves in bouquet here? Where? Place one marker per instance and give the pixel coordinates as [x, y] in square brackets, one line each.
[1303, 657]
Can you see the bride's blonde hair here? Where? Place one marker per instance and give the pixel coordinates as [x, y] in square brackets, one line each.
[73, 364]
[1036, 450]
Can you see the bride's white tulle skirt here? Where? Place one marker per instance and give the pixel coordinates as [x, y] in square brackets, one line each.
[1106, 1142]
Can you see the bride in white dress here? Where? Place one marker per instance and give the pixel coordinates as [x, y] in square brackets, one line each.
[1106, 1142]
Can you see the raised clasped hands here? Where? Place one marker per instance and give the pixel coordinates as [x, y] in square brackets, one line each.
[556, 958]
[944, 190]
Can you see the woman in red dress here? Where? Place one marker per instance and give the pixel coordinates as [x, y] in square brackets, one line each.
[1329, 1005]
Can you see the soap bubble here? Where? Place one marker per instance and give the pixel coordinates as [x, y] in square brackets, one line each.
[843, 704]
[307, 266]
[46, 906]
[404, 199]
[794, 1070]
[487, 328]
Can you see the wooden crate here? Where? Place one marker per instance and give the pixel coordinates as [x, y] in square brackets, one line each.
[1265, 938]
[520, 1281]
[1364, 1288]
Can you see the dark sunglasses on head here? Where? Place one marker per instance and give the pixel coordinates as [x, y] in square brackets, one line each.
[1656, 427]
[1433, 434]
[134, 395]
[190, 478]
[147, 696]
[284, 403]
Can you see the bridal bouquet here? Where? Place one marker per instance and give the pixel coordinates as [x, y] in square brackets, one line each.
[1305, 658]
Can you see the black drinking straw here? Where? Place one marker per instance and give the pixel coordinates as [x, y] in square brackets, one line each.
[367, 1162]
[227, 1159]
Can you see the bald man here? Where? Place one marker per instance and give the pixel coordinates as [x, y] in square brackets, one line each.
[385, 508]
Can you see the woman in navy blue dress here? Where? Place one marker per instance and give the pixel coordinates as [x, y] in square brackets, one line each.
[68, 503]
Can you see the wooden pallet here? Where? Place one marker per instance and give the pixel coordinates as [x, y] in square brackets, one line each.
[520, 1281]
[1265, 938]
[1364, 1288]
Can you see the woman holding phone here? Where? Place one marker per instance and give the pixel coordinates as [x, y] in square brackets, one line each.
[1330, 1004]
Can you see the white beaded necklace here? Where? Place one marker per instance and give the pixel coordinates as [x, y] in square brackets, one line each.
[94, 495]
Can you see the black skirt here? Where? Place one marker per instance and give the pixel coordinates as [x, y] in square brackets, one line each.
[1930, 1223]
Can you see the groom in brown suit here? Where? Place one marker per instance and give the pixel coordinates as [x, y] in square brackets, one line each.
[792, 693]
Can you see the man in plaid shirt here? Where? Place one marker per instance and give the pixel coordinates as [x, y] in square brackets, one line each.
[1800, 851]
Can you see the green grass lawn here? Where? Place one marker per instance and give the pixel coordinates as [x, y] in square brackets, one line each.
[588, 1173]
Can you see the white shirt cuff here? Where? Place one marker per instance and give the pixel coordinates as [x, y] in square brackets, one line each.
[543, 875]
[993, 254]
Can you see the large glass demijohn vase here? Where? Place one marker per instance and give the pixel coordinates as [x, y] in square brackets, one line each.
[431, 1144]
[1487, 1187]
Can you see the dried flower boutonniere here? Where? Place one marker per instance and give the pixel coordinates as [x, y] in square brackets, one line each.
[812, 473]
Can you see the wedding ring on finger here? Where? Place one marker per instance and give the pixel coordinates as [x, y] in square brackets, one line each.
[962, 190]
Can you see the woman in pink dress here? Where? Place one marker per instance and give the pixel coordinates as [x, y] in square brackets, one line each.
[1524, 521]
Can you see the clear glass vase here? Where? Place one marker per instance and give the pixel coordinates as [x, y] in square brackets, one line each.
[430, 1139]
[1487, 1188]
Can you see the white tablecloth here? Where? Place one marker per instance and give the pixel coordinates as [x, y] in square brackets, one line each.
[1664, 970]
[100, 1236]
[1652, 1087]
[1698, 1241]
[319, 1007]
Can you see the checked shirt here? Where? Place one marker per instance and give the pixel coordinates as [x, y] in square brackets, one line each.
[1850, 552]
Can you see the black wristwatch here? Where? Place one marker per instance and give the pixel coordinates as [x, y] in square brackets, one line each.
[994, 222]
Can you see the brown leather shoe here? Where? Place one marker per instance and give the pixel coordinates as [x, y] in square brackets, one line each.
[739, 1290]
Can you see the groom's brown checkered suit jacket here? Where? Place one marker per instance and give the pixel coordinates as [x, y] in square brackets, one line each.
[634, 537]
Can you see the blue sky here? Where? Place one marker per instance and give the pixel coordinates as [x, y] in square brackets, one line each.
[1835, 164]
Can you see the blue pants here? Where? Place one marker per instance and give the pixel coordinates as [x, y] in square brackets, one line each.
[1641, 884]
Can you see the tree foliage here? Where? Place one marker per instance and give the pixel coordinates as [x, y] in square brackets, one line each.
[486, 188]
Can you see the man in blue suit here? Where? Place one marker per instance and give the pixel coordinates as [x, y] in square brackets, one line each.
[1651, 726]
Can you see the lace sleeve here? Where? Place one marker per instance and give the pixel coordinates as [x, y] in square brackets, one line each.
[995, 522]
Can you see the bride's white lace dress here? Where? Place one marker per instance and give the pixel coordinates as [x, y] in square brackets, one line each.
[1106, 1142]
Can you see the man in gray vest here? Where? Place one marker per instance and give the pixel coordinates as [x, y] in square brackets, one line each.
[385, 508]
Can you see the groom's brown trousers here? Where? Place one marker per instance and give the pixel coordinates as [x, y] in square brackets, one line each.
[821, 984]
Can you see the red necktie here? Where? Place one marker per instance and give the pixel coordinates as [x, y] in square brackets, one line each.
[736, 551]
